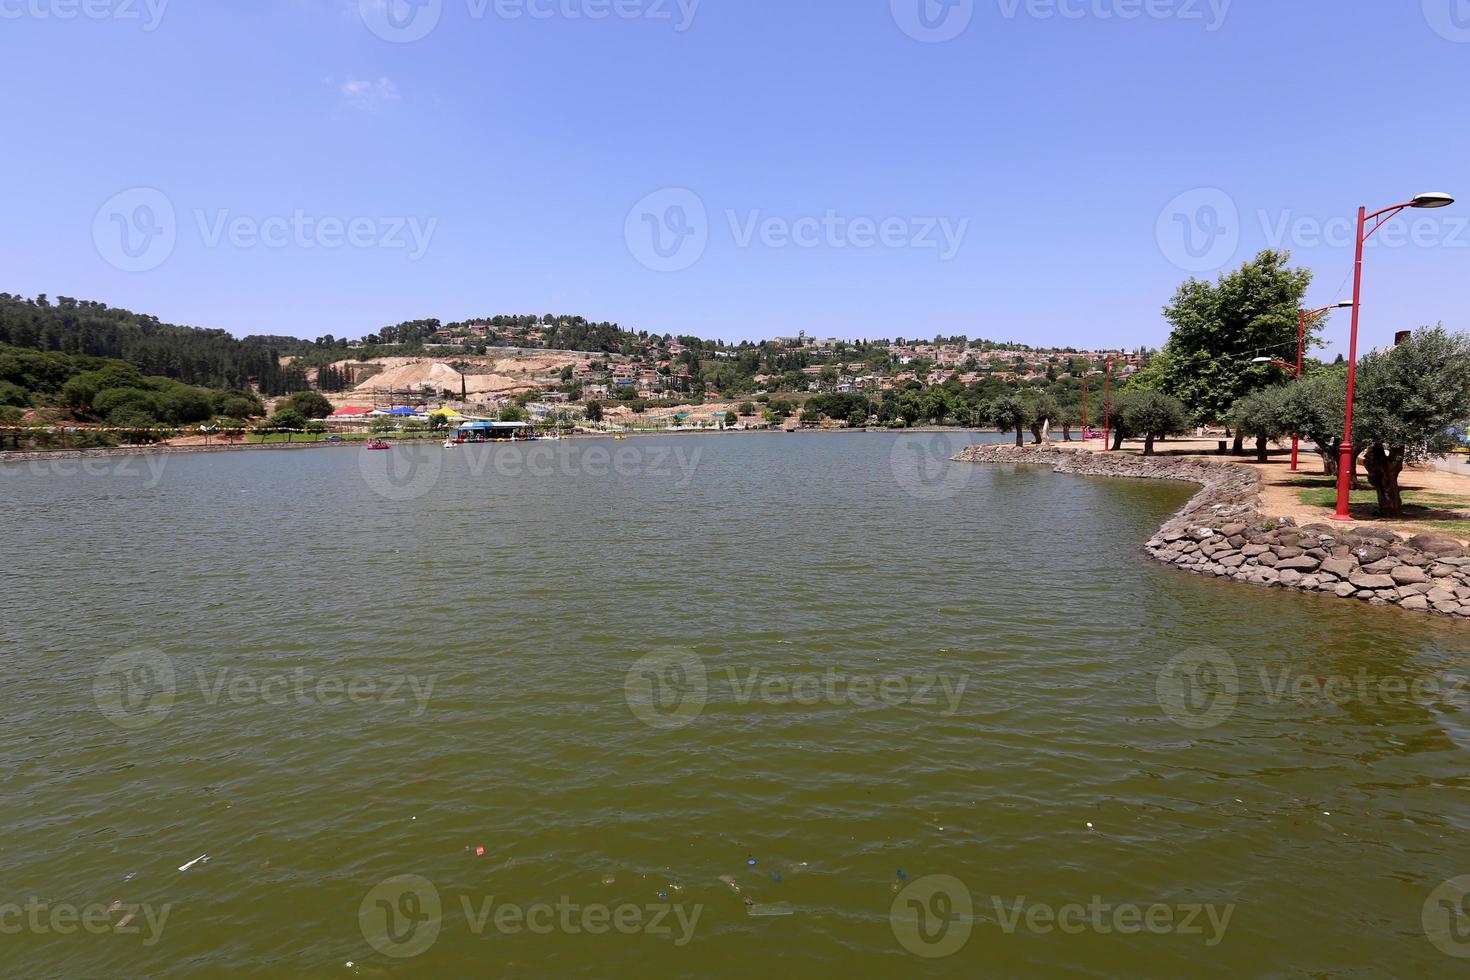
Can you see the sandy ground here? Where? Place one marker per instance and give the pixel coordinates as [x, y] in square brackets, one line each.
[490, 376]
[1281, 488]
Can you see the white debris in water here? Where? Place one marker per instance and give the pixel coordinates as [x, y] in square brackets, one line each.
[189, 864]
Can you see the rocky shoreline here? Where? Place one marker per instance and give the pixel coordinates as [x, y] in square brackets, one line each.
[103, 452]
[1222, 533]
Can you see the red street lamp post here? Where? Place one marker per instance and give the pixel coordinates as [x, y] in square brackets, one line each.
[1108, 403]
[1348, 453]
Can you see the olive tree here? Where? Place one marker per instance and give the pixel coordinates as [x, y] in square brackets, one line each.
[1314, 407]
[1259, 415]
[1008, 413]
[1152, 415]
[1043, 409]
[1408, 398]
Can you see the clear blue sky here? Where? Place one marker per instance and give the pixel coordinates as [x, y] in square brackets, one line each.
[520, 146]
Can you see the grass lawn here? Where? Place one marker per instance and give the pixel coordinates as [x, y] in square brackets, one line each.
[1426, 507]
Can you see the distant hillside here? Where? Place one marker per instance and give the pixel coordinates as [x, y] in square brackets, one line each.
[211, 358]
[277, 365]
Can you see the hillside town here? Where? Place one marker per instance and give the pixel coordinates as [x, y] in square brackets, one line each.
[503, 368]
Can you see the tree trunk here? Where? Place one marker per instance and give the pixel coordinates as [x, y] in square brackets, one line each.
[1261, 456]
[1066, 431]
[1328, 449]
[1036, 433]
[1148, 444]
[1239, 448]
[1117, 440]
[1384, 466]
[1020, 437]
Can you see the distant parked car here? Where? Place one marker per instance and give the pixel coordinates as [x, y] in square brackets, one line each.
[334, 439]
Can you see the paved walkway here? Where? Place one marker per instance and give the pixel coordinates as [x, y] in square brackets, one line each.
[1458, 464]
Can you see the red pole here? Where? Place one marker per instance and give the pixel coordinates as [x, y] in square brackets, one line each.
[1108, 407]
[1084, 408]
[1347, 454]
[1301, 339]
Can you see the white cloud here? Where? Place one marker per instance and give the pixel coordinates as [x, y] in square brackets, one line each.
[368, 95]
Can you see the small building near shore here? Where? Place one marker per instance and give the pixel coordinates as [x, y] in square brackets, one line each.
[491, 431]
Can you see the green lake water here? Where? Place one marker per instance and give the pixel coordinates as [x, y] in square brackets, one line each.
[714, 706]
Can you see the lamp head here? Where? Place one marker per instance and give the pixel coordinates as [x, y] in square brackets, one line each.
[1435, 200]
[1262, 360]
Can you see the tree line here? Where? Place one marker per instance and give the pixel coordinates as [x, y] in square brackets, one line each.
[190, 355]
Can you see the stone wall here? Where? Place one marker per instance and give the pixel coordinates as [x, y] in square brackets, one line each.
[1222, 533]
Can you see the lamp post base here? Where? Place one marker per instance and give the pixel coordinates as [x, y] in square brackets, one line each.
[1345, 459]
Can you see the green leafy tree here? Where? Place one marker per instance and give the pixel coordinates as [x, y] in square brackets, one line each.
[311, 404]
[1043, 409]
[184, 405]
[1314, 407]
[594, 412]
[128, 406]
[13, 394]
[1008, 413]
[1260, 416]
[236, 404]
[747, 408]
[1408, 398]
[288, 418]
[1153, 415]
[858, 419]
[1220, 327]
[912, 407]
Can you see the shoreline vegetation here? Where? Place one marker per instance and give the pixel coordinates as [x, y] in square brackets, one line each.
[355, 440]
[1222, 533]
